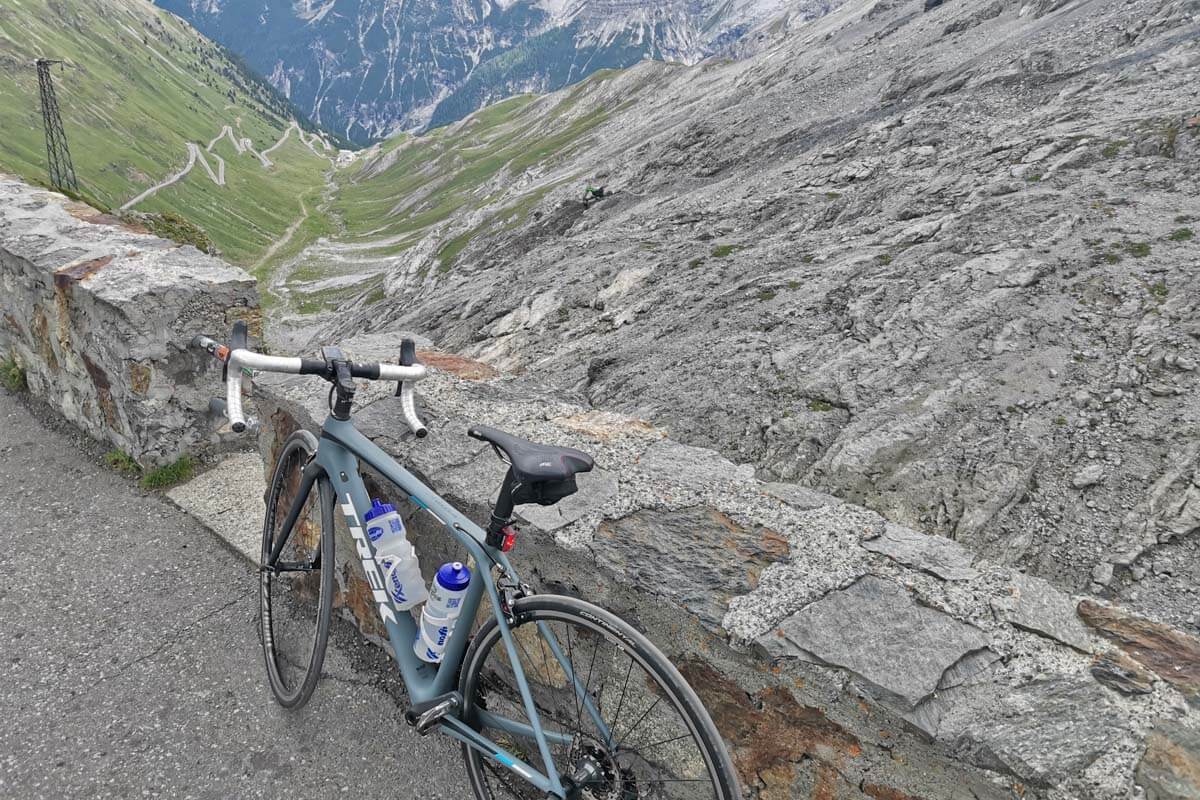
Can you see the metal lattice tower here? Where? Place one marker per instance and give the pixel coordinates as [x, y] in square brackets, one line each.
[58, 156]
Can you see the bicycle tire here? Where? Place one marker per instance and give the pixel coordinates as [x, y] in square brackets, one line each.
[478, 687]
[284, 596]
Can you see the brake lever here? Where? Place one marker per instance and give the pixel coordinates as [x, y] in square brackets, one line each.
[404, 390]
[237, 341]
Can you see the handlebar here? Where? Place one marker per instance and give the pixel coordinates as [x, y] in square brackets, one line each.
[239, 360]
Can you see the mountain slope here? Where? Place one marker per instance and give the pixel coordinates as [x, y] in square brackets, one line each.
[368, 68]
[143, 96]
[942, 263]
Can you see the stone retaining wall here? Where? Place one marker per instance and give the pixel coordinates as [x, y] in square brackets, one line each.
[98, 314]
[842, 656]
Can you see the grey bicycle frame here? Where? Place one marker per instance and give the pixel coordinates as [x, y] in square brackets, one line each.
[339, 452]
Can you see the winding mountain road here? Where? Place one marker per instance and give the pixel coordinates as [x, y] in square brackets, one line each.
[243, 145]
[307, 142]
[193, 152]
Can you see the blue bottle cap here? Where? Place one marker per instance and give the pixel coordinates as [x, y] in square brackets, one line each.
[454, 577]
[378, 509]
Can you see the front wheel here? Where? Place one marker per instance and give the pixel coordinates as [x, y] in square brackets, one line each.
[625, 724]
[296, 590]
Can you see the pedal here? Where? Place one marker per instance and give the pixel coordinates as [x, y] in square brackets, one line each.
[424, 716]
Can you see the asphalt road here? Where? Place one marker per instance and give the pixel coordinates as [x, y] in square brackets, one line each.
[129, 656]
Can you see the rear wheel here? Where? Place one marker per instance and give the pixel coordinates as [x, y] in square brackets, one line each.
[297, 589]
[636, 730]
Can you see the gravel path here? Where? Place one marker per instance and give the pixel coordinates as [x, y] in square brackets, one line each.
[129, 655]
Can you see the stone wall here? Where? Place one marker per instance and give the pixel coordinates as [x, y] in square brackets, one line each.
[99, 315]
[842, 656]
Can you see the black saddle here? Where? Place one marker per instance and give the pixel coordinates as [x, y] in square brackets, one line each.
[545, 474]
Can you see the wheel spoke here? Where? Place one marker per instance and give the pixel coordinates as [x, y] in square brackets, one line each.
[624, 688]
[639, 750]
[645, 713]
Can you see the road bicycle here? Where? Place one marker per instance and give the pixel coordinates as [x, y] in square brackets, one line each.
[549, 696]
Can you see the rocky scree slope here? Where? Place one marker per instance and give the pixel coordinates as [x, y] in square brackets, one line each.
[941, 263]
[369, 68]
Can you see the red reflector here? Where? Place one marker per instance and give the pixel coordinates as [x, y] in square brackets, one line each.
[510, 538]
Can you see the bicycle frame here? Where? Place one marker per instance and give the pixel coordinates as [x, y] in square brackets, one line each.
[339, 452]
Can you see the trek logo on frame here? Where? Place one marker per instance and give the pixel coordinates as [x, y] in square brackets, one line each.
[370, 568]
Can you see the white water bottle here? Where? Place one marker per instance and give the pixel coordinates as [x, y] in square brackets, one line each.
[440, 614]
[396, 555]
[448, 589]
[384, 525]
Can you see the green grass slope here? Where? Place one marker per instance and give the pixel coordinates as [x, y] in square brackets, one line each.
[138, 85]
[469, 166]
[442, 191]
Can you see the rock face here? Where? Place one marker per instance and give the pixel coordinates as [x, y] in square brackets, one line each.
[1039, 607]
[944, 558]
[941, 264]
[99, 317]
[840, 654]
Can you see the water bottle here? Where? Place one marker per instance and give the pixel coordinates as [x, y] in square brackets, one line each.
[384, 525]
[396, 555]
[439, 615]
[448, 589]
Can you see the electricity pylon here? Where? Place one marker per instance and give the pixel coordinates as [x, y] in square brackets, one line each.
[58, 156]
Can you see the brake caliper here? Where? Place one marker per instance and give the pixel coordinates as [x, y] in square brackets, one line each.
[510, 593]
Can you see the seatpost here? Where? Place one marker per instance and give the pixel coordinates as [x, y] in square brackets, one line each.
[502, 513]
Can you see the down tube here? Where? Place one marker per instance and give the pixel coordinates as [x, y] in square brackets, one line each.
[402, 630]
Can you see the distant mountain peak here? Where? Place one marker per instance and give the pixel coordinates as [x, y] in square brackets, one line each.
[370, 68]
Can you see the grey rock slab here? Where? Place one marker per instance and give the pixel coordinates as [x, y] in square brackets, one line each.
[1088, 476]
[1043, 731]
[1037, 606]
[689, 465]
[697, 556]
[876, 630]
[937, 555]
[1102, 573]
[799, 497]
[972, 670]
